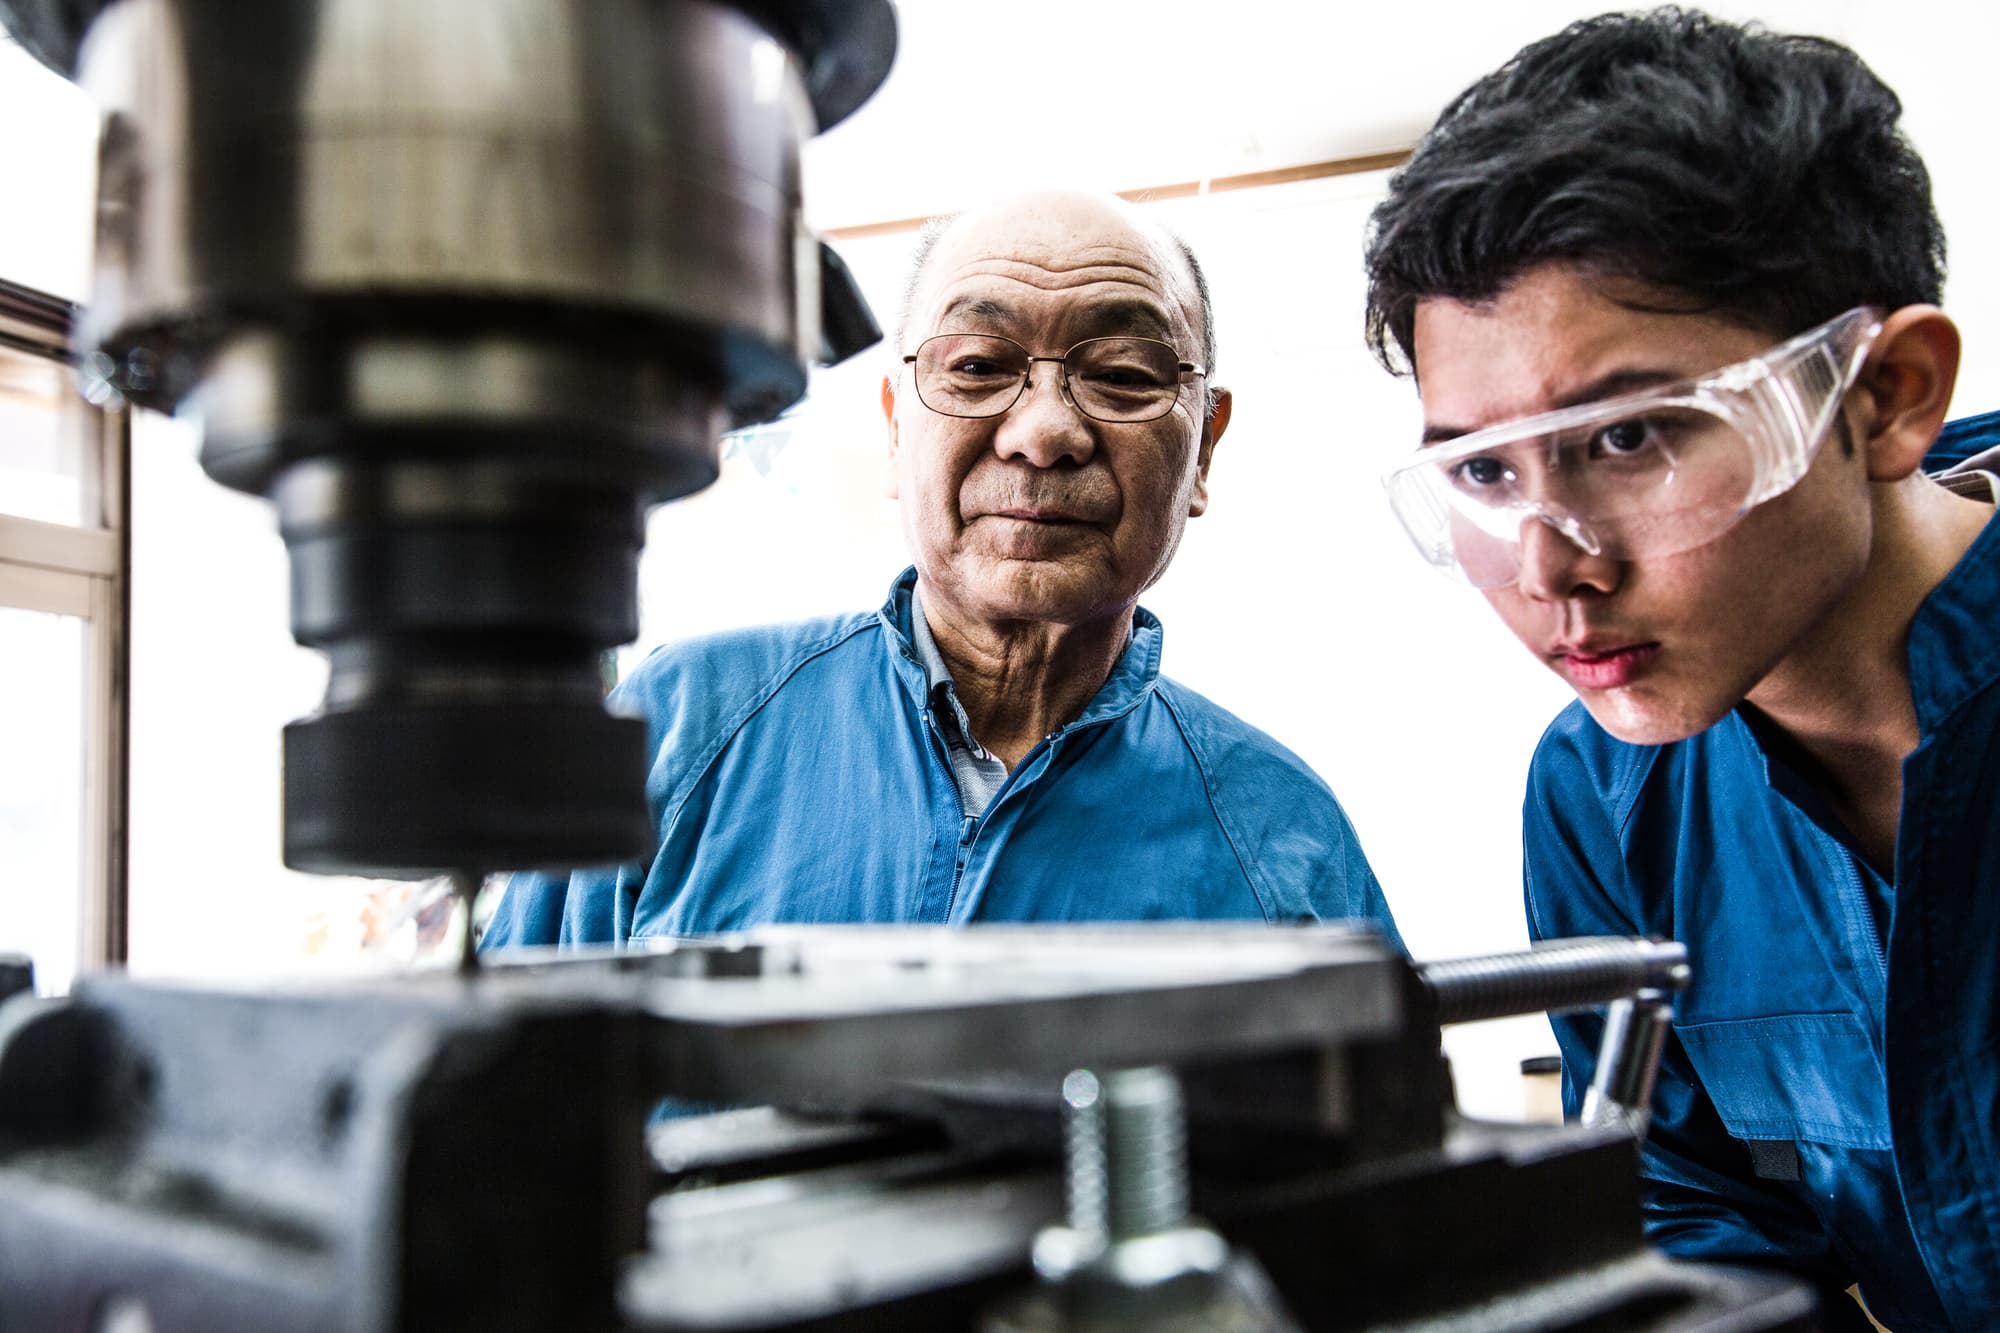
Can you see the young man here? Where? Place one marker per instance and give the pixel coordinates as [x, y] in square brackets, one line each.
[1668, 287]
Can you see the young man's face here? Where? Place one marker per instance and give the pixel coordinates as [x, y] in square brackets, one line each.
[1658, 648]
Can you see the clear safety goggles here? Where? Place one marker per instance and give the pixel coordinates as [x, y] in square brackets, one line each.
[1644, 474]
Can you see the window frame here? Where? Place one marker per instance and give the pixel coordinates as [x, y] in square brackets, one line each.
[83, 570]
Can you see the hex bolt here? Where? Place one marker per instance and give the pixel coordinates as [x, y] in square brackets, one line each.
[1131, 1257]
[1125, 1150]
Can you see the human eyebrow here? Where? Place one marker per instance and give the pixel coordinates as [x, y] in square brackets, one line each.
[1138, 318]
[1616, 384]
[977, 307]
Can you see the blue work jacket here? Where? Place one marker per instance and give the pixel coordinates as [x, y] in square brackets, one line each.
[801, 776]
[1829, 1100]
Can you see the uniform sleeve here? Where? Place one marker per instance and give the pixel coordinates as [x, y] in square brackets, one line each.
[1359, 897]
[1342, 885]
[1703, 1198]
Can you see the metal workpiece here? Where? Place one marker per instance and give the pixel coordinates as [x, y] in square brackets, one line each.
[464, 287]
[791, 1012]
[1554, 977]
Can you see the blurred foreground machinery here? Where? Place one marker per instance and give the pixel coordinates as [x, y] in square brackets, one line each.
[1143, 1128]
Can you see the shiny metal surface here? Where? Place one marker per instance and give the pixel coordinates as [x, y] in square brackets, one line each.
[1554, 977]
[1628, 1062]
[846, 44]
[619, 416]
[464, 286]
[630, 157]
[806, 1011]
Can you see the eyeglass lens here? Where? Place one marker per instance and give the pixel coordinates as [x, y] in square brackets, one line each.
[1111, 379]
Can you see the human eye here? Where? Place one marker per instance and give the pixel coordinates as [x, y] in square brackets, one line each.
[1627, 439]
[1115, 365]
[1129, 376]
[1483, 473]
[978, 365]
[970, 363]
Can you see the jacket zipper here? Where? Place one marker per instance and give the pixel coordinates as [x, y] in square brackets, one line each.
[969, 825]
[1857, 897]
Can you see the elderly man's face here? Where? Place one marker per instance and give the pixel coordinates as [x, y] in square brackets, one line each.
[1042, 513]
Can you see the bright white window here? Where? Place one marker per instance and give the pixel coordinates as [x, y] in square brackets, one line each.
[62, 653]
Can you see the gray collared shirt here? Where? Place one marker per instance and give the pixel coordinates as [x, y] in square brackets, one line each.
[978, 773]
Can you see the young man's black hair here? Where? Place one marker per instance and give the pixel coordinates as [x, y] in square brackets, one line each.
[1753, 175]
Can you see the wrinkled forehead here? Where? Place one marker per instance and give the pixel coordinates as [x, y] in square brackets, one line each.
[1066, 269]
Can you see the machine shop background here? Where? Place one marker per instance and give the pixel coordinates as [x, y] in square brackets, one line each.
[1295, 601]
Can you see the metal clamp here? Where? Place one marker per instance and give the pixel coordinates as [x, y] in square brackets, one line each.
[1636, 978]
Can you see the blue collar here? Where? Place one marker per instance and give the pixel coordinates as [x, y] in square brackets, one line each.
[1955, 639]
[1132, 677]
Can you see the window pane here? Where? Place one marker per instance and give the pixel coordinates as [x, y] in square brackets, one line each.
[41, 791]
[47, 436]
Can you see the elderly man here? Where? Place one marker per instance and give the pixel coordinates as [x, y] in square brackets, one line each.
[996, 743]
[1668, 287]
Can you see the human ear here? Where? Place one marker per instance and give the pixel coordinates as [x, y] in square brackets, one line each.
[1905, 387]
[889, 420]
[1211, 431]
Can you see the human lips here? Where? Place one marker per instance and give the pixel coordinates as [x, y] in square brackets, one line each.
[1045, 503]
[1595, 665]
[1039, 515]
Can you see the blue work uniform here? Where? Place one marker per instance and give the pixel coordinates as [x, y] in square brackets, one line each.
[1829, 1100]
[801, 774]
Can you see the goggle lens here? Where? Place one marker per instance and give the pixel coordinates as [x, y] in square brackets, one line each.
[1661, 480]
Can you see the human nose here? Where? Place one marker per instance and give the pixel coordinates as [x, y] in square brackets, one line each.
[1554, 567]
[1044, 427]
